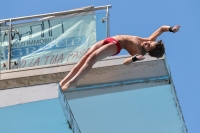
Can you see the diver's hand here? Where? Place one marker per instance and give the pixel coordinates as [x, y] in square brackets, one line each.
[176, 28]
[140, 57]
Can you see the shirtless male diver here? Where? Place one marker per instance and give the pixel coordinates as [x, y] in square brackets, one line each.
[136, 46]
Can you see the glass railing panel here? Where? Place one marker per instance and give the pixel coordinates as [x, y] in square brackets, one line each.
[3, 47]
[101, 26]
[144, 110]
[45, 116]
[59, 40]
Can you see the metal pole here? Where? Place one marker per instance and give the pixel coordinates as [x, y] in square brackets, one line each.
[107, 22]
[79, 10]
[9, 43]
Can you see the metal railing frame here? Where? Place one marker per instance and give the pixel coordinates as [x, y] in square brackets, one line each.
[56, 14]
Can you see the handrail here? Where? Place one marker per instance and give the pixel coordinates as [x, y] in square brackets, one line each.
[78, 10]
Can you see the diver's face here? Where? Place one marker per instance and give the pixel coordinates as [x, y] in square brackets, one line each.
[148, 45]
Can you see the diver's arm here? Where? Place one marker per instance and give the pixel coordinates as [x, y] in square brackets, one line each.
[133, 59]
[159, 31]
[162, 29]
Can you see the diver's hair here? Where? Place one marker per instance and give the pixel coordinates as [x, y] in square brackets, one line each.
[158, 50]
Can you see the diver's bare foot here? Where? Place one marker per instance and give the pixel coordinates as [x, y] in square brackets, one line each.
[68, 85]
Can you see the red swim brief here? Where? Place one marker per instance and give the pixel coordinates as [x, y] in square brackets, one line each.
[112, 40]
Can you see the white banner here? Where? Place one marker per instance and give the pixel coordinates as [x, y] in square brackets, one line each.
[59, 40]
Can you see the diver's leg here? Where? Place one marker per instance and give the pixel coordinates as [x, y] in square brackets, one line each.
[101, 53]
[81, 62]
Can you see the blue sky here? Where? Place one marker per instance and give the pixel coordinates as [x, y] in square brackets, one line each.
[141, 18]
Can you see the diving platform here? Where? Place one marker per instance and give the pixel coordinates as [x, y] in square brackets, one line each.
[112, 97]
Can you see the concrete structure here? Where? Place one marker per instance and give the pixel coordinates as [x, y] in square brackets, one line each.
[112, 97]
